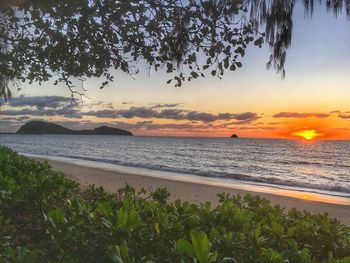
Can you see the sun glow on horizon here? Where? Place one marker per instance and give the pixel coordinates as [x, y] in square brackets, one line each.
[307, 134]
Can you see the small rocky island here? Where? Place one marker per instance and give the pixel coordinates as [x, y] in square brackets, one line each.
[42, 127]
[234, 136]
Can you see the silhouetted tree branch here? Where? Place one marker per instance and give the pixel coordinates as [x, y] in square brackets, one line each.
[42, 39]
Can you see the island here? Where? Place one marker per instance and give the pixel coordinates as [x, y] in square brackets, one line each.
[42, 127]
[234, 136]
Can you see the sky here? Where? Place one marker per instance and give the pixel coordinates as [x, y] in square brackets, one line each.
[250, 102]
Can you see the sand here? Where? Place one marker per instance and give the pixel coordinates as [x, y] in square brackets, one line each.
[197, 192]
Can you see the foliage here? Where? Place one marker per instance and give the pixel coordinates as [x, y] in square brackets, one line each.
[45, 217]
[41, 39]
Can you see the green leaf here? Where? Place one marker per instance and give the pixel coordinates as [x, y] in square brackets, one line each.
[184, 246]
[201, 246]
[115, 255]
[104, 208]
[127, 219]
[57, 216]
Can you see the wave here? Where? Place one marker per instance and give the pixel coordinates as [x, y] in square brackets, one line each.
[313, 163]
[266, 180]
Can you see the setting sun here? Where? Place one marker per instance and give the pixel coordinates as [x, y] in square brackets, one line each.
[307, 134]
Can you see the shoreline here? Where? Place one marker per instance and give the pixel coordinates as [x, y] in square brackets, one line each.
[283, 190]
[195, 191]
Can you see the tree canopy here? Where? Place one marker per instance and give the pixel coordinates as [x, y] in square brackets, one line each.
[61, 39]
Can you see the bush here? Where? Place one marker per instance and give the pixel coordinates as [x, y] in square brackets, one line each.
[45, 217]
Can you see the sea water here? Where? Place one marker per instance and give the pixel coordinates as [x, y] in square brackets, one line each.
[319, 166]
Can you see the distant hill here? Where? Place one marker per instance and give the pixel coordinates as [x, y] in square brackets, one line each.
[42, 127]
[235, 136]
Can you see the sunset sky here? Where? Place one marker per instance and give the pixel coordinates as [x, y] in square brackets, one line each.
[251, 102]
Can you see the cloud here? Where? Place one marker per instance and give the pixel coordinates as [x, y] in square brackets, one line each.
[173, 114]
[144, 123]
[39, 102]
[344, 116]
[201, 116]
[300, 115]
[166, 105]
[208, 117]
[11, 124]
[341, 114]
[98, 104]
[21, 118]
[271, 123]
[41, 106]
[5, 123]
[141, 112]
[65, 112]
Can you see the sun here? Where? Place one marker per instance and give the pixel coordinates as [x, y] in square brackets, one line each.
[307, 134]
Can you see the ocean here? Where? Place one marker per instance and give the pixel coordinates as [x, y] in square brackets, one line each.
[318, 166]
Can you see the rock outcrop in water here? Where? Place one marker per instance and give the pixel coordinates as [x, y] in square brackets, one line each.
[42, 127]
[235, 136]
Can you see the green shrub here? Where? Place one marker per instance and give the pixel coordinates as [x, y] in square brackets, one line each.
[45, 217]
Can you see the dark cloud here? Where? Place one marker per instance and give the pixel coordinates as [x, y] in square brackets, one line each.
[344, 116]
[39, 102]
[238, 123]
[65, 112]
[144, 123]
[166, 105]
[201, 116]
[21, 118]
[99, 104]
[173, 114]
[141, 112]
[175, 126]
[4, 123]
[271, 123]
[246, 116]
[41, 106]
[300, 115]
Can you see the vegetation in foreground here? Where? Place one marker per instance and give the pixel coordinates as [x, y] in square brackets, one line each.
[45, 217]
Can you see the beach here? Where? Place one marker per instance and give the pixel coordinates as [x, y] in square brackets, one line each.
[195, 192]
